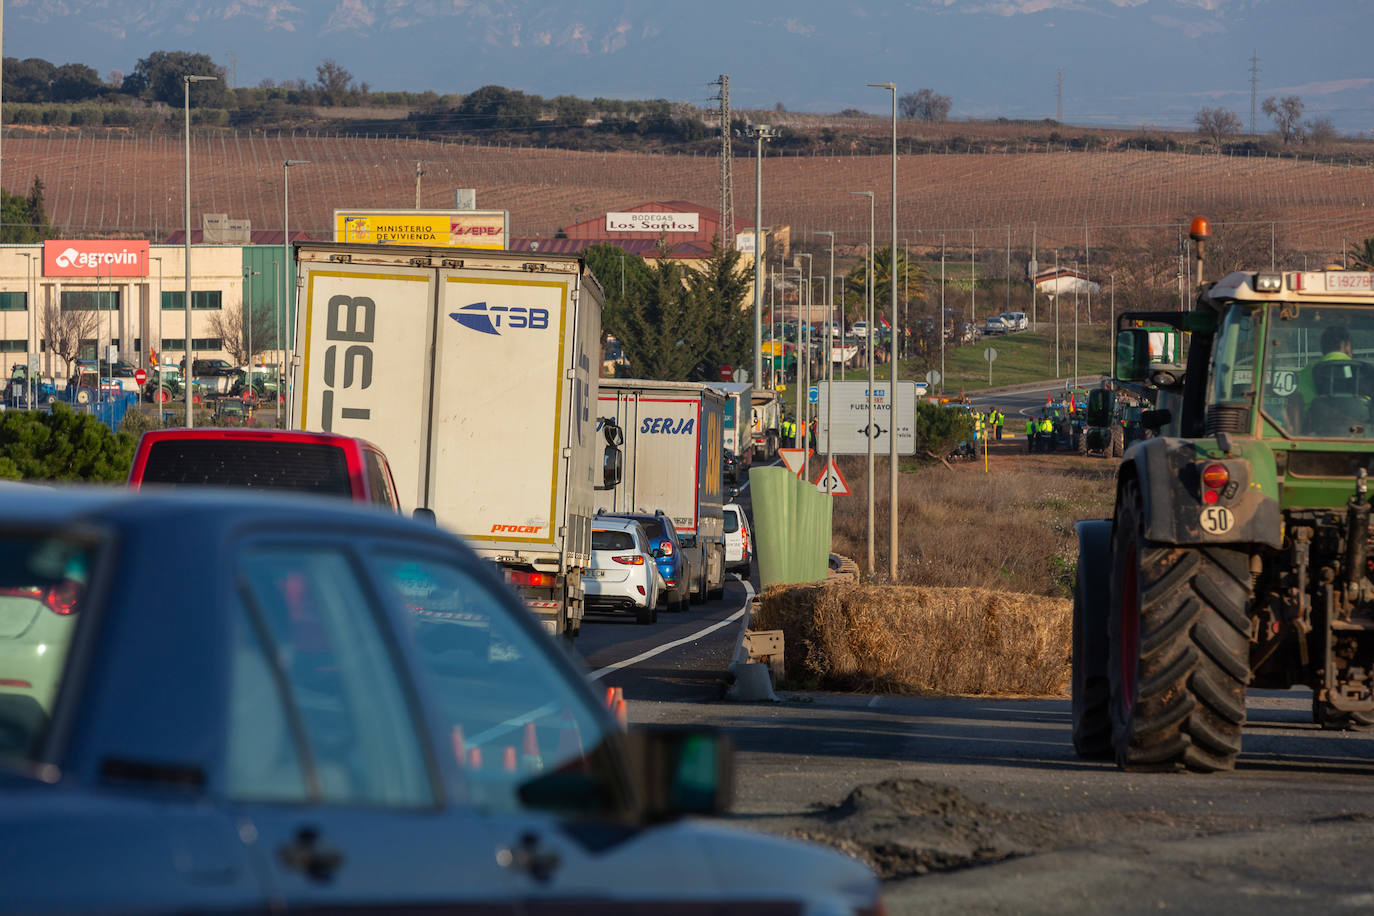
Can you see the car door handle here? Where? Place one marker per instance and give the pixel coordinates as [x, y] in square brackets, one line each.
[309, 856]
[529, 858]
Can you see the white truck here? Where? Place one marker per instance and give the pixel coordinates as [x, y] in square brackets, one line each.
[475, 372]
[765, 422]
[739, 421]
[673, 461]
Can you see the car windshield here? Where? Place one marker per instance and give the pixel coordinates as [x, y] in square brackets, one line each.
[731, 521]
[43, 580]
[1318, 373]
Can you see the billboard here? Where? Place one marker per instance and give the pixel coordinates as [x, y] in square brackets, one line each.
[653, 222]
[443, 228]
[95, 258]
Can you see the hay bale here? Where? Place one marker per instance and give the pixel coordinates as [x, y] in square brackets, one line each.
[906, 639]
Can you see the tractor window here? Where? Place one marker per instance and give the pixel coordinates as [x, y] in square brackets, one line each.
[1319, 371]
[1233, 358]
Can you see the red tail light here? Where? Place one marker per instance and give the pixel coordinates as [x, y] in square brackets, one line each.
[635, 560]
[61, 599]
[1215, 477]
[519, 577]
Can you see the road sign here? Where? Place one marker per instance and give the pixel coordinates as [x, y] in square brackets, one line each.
[832, 481]
[726, 373]
[849, 433]
[741, 376]
[795, 458]
[140, 376]
[989, 354]
[933, 377]
[813, 395]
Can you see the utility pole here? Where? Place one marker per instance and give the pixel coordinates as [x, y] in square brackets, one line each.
[759, 133]
[1059, 96]
[1254, 87]
[419, 170]
[727, 187]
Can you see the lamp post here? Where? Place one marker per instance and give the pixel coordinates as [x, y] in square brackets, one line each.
[276, 324]
[892, 355]
[829, 352]
[758, 133]
[1111, 332]
[1078, 282]
[286, 258]
[942, 313]
[804, 369]
[868, 342]
[248, 275]
[186, 81]
[158, 369]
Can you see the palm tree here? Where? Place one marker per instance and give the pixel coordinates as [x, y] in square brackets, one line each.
[911, 282]
[1362, 255]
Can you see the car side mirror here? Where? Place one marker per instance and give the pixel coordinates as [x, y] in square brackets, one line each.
[659, 553]
[612, 464]
[680, 771]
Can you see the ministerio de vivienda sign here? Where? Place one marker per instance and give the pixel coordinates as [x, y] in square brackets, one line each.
[440, 228]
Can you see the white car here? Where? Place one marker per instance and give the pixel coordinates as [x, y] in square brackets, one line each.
[859, 329]
[624, 576]
[1017, 320]
[739, 541]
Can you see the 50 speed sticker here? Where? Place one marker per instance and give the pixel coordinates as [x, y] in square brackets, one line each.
[1216, 520]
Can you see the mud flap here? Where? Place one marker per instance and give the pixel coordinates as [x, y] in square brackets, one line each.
[1094, 579]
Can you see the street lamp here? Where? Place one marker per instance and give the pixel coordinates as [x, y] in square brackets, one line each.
[1111, 333]
[29, 344]
[186, 81]
[158, 369]
[286, 256]
[276, 326]
[892, 355]
[868, 342]
[759, 133]
[829, 353]
[248, 275]
[804, 367]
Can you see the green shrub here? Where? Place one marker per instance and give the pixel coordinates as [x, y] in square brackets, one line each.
[939, 429]
[62, 445]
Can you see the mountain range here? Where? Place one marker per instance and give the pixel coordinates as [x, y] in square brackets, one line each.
[1109, 62]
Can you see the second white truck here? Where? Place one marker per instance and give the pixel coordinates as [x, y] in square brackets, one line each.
[674, 434]
[476, 373]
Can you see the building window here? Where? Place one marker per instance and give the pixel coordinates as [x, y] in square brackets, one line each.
[89, 300]
[174, 343]
[14, 346]
[207, 343]
[14, 302]
[89, 349]
[202, 299]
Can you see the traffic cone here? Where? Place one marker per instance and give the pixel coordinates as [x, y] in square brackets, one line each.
[508, 759]
[622, 714]
[475, 758]
[610, 697]
[529, 758]
[458, 745]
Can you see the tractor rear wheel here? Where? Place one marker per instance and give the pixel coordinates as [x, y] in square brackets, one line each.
[1178, 636]
[1118, 441]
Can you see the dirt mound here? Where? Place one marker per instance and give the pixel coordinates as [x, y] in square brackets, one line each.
[906, 639]
[907, 827]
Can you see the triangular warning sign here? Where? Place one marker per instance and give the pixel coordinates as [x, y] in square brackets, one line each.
[832, 481]
[795, 458]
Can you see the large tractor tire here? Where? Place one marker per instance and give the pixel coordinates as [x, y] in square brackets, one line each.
[1089, 685]
[1178, 637]
[1118, 441]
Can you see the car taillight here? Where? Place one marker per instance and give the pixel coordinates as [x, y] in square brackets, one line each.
[519, 577]
[1215, 477]
[635, 560]
[61, 599]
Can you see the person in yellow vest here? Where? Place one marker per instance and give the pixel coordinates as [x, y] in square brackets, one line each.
[789, 433]
[1046, 433]
[998, 418]
[1030, 435]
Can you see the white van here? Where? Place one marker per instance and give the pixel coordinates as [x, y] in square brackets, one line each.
[1017, 320]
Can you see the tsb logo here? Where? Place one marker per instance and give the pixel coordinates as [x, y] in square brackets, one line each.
[489, 319]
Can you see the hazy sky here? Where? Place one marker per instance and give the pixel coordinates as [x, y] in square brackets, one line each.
[1125, 62]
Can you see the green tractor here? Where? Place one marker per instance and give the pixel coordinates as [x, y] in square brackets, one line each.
[1116, 409]
[1238, 554]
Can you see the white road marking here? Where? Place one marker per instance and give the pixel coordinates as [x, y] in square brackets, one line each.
[658, 650]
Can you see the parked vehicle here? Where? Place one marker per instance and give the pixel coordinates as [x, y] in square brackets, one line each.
[765, 423]
[274, 459]
[739, 431]
[673, 457]
[340, 709]
[739, 544]
[624, 575]
[496, 364]
[730, 465]
[266, 384]
[673, 563]
[859, 329]
[1016, 320]
[170, 388]
[996, 326]
[17, 388]
[86, 387]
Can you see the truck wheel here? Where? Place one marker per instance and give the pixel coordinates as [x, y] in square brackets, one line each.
[1118, 441]
[1092, 723]
[1333, 719]
[1179, 638]
[1083, 444]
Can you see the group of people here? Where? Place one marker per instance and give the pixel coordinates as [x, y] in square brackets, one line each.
[794, 433]
[988, 424]
[1040, 433]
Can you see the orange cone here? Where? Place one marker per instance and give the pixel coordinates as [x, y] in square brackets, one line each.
[610, 697]
[508, 759]
[475, 758]
[622, 714]
[529, 757]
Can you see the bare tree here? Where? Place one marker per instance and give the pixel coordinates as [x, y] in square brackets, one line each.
[1143, 269]
[228, 325]
[924, 105]
[333, 83]
[1217, 124]
[64, 331]
[1320, 132]
[1287, 115]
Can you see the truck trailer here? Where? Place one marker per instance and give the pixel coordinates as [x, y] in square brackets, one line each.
[475, 372]
[673, 461]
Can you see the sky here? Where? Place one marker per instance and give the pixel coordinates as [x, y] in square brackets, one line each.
[1124, 63]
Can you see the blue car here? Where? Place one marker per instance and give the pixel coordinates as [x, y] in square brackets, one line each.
[673, 564]
[333, 709]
